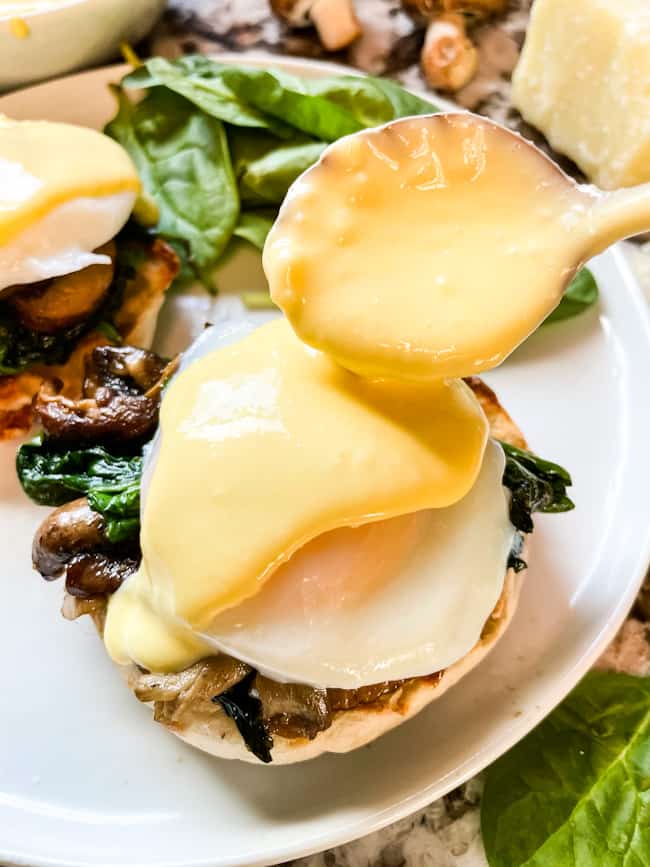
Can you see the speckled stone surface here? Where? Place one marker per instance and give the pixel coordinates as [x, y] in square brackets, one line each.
[447, 832]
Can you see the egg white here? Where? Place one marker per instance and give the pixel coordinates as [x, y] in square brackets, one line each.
[64, 239]
[386, 601]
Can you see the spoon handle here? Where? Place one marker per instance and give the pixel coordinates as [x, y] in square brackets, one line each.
[618, 215]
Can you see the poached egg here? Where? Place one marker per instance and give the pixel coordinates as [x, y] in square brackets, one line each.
[327, 529]
[64, 191]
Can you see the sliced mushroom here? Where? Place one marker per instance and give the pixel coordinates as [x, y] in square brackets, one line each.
[120, 401]
[449, 58]
[335, 20]
[68, 531]
[294, 12]
[292, 709]
[336, 23]
[90, 575]
[109, 417]
[122, 367]
[65, 301]
[184, 698]
[475, 8]
[345, 699]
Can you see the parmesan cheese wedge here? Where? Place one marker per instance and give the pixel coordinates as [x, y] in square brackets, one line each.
[583, 79]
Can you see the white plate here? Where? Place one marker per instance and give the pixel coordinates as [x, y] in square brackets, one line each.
[86, 778]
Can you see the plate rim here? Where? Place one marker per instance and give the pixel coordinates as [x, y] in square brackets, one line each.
[479, 760]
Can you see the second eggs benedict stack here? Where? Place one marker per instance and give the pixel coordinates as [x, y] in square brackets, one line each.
[66, 285]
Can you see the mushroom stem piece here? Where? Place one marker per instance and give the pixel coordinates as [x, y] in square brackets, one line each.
[449, 59]
[335, 20]
[336, 23]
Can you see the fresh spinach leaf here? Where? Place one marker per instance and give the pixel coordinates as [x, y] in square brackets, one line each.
[325, 108]
[246, 712]
[288, 98]
[402, 101]
[277, 126]
[372, 101]
[580, 294]
[199, 80]
[268, 177]
[183, 160]
[52, 474]
[576, 791]
[254, 226]
[535, 485]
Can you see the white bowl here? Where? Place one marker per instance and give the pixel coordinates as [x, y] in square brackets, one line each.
[46, 38]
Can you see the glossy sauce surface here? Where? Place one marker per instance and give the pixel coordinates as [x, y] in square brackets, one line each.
[429, 247]
[44, 165]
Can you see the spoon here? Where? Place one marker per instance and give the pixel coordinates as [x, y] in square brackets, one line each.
[434, 245]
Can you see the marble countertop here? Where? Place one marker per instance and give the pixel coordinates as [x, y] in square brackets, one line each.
[447, 832]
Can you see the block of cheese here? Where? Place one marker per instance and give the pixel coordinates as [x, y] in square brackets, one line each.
[583, 79]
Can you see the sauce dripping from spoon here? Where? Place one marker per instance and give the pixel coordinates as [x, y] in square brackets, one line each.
[434, 245]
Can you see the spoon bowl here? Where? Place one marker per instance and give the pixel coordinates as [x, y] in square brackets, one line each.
[434, 245]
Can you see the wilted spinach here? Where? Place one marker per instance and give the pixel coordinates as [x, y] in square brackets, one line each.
[20, 346]
[536, 485]
[52, 474]
[246, 712]
[576, 791]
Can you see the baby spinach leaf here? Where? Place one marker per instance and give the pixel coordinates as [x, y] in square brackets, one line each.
[580, 294]
[535, 485]
[183, 160]
[576, 791]
[199, 80]
[288, 98]
[254, 226]
[278, 124]
[325, 108]
[268, 176]
[372, 101]
[403, 102]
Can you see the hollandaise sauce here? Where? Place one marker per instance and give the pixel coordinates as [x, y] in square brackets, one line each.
[429, 247]
[44, 165]
[264, 446]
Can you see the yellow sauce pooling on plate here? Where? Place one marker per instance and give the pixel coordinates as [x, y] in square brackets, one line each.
[265, 445]
[426, 248]
[44, 165]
